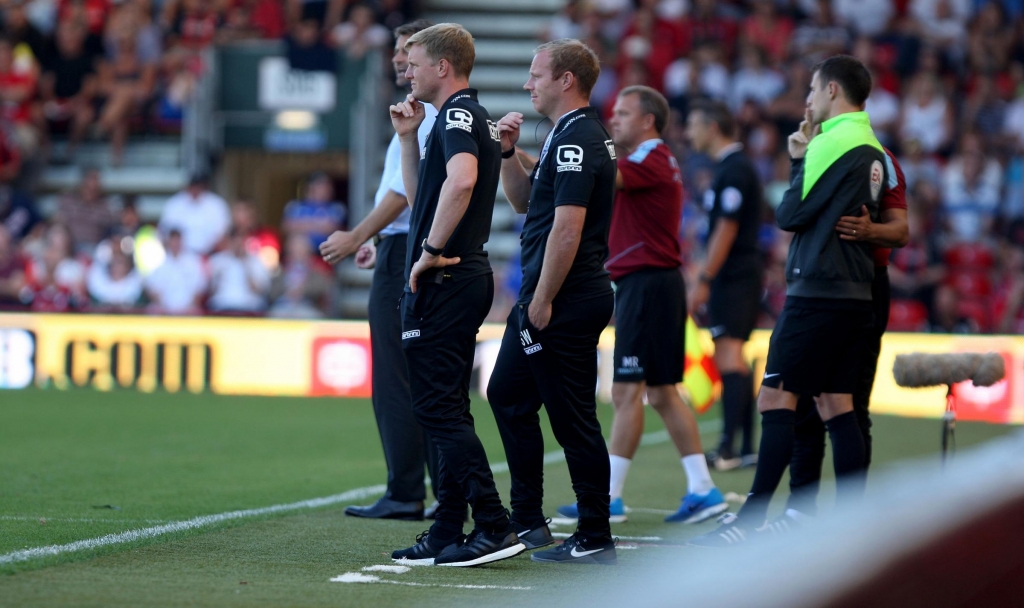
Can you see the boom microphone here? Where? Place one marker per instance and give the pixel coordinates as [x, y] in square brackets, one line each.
[917, 370]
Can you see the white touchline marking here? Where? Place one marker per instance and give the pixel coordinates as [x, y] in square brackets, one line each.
[206, 520]
[408, 562]
[392, 569]
[358, 577]
[636, 538]
[88, 520]
[188, 524]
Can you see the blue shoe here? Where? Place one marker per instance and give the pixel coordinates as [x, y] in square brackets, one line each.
[697, 508]
[617, 511]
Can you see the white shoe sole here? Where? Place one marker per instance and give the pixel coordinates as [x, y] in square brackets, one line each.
[612, 519]
[429, 561]
[707, 513]
[497, 556]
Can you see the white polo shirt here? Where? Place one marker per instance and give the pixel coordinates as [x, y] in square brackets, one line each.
[203, 222]
[392, 177]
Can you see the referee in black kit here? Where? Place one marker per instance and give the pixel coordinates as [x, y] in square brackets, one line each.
[452, 183]
[730, 280]
[549, 352]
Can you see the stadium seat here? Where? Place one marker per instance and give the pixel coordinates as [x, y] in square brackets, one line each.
[969, 256]
[907, 315]
[970, 283]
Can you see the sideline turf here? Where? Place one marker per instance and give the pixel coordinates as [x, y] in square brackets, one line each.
[165, 457]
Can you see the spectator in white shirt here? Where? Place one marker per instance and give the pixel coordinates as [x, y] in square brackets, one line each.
[202, 217]
[114, 284]
[239, 282]
[755, 80]
[866, 17]
[971, 189]
[942, 22]
[177, 286]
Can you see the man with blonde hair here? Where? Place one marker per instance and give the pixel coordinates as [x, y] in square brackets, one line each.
[451, 183]
[549, 352]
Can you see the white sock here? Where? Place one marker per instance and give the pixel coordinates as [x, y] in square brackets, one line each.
[698, 478]
[620, 467]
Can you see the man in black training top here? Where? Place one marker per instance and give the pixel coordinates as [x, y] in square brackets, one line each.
[730, 281]
[820, 339]
[452, 183]
[549, 352]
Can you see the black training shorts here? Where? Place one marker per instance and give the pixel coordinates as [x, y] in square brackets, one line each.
[733, 306]
[650, 327]
[819, 346]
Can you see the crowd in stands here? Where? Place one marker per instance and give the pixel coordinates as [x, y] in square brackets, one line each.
[948, 99]
[203, 256]
[73, 71]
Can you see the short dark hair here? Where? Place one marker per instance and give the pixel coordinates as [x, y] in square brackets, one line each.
[849, 73]
[651, 102]
[408, 29]
[716, 112]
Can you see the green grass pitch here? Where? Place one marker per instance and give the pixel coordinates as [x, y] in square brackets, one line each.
[82, 464]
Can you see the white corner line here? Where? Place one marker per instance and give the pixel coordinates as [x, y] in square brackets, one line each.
[202, 521]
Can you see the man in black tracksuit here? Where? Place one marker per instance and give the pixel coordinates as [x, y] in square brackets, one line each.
[821, 336]
[549, 352]
[452, 183]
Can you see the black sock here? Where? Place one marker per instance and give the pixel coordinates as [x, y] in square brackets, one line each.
[808, 454]
[848, 455]
[776, 451]
[747, 415]
[733, 385]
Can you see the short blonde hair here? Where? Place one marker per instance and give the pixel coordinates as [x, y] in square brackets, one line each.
[571, 55]
[448, 41]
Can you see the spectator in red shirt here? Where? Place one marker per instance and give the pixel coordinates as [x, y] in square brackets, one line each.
[767, 29]
[706, 24]
[654, 41]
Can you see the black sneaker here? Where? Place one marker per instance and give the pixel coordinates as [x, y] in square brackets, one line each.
[580, 550]
[536, 537]
[481, 548]
[728, 534]
[424, 551]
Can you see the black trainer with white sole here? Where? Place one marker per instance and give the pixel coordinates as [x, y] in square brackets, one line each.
[424, 551]
[580, 550]
[728, 534]
[481, 548]
[535, 537]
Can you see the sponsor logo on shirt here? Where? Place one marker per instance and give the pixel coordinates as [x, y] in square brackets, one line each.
[527, 342]
[569, 158]
[459, 119]
[493, 128]
[415, 333]
[876, 179]
[611, 147]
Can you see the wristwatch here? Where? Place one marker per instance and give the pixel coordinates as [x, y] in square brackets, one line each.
[431, 250]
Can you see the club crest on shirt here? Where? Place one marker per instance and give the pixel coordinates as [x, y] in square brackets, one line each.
[569, 158]
[611, 147]
[876, 179]
[458, 118]
[493, 128]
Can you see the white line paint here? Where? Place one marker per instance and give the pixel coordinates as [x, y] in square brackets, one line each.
[189, 524]
[313, 503]
[391, 569]
[359, 577]
[88, 520]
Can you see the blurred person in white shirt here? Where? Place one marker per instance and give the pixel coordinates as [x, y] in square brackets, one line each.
[202, 217]
[239, 282]
[755, 80]
[113, 283]
[177, 286]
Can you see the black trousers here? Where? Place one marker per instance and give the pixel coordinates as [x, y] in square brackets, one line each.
[439, 326]
[406, 447]
[809, 444]
[556, 367]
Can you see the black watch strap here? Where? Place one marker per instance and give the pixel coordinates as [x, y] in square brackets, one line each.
[431, 250]
[509, 154]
